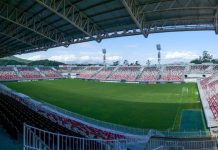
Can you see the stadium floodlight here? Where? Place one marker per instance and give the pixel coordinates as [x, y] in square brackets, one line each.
[158, 55]
[104, 57]
[104, 51]
[158, 47]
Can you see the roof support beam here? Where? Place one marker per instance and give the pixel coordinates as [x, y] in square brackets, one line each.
[169, 5]
[175, 7]
[134, 12]
[216, 19]
[12, 32]
[31, 23]
[216, 22]
[70, 13]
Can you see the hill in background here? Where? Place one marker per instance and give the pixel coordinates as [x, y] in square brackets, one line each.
[45, 63]
[12, 60]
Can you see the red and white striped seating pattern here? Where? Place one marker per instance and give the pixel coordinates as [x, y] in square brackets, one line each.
[173, 73]
[82, 128]
[29, 73]
[64, 69]
[49, 72]
[197, 69]
[77, 69]
[128, 73]
[88, 72]
[104, 73]
[215, 69]
[8, 73]
[210, 88]
[149, 74]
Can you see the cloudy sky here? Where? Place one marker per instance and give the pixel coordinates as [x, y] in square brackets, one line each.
[176, 47]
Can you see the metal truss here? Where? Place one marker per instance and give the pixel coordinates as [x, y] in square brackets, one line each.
[177, 21]
[12, 31]
[216, 19]
[133, 32]
[173, 6]
[32, 23]
[134, 12]
[70, 13]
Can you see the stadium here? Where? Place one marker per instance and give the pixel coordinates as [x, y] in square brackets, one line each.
[171, 106]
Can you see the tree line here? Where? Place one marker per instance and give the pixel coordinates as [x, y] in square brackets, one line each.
[205, 58]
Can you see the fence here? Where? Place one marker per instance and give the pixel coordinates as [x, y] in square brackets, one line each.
[182, 144]
[38, 139]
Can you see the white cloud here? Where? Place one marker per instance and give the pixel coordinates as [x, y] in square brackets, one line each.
[151, 58]
[83, 58]
[63, 58]
[114, 58]
[132, 46]
[36, 57]
[180, 55]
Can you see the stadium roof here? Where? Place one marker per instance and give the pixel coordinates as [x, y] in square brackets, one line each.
[34, 25]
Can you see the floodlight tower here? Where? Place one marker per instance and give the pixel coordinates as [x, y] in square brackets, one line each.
[158, 55]
[104, 57]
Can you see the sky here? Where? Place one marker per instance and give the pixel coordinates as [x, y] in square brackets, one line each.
[176, 47]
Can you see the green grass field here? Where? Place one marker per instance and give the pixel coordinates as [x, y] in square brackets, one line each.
[157, 106]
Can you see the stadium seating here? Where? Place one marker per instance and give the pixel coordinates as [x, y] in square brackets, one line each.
[198, 69]
[19, 113]
[104, 73]
[29, 73]
[82, 128]
[215, 69]
[49, 73]
[173, 73]
[210, 88]
[8, 73]
[89, 72]
[149, 74]
[128, 73]
[64, 69]
[22, 110]
[77, 69]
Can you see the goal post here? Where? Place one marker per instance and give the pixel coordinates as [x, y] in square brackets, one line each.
[185, 91]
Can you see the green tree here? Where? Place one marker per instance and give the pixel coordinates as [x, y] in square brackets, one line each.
[125, 62]
[205, 58]
[116, 63]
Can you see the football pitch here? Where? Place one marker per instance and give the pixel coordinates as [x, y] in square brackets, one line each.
[156, 106]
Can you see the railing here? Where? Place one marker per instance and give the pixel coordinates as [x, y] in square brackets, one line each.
[181, 144]
[38, 139]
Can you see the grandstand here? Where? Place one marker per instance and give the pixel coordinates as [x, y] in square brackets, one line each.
[149, 74]
[173, 73]
[49, 72]
[215, 69]
[38, 25]
[88, 72]
[168, 73]
[198, 69]
[104, 73]
[209, 98]
[8, 74]
[29, 73]
[125, 73]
